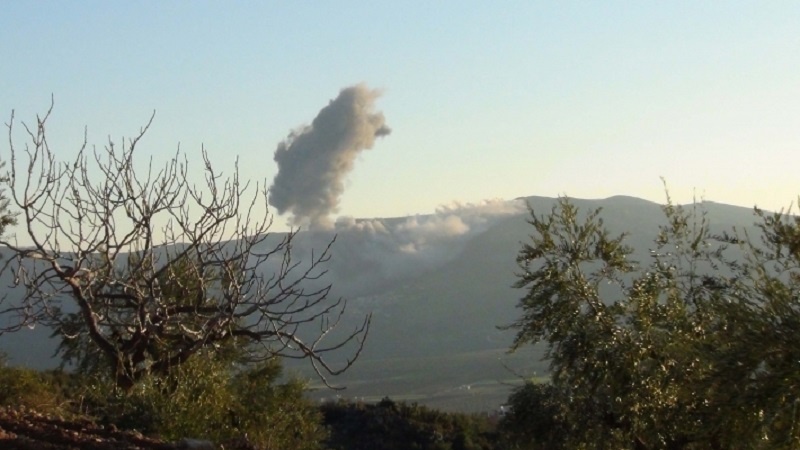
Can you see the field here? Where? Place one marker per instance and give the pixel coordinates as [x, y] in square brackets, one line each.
[468, 382]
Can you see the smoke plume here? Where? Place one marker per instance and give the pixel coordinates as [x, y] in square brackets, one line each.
[314, 160]
[386, 250]
[372, 254]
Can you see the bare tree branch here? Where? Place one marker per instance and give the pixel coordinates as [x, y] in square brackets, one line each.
[148, 268]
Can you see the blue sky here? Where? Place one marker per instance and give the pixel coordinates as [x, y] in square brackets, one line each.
[485, 99]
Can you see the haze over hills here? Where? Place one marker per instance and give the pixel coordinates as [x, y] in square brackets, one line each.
[438, 287]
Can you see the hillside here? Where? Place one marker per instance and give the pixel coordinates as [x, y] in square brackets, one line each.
[437, 291]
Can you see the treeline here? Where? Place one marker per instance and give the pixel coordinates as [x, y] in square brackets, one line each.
[390, 425]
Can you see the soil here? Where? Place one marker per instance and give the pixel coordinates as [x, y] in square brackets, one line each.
[28, 430]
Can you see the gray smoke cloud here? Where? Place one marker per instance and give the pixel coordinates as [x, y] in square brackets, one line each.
[382, 251]
[314, 160]
[370, 255]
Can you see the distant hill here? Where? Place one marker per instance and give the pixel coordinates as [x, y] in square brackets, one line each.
[438, 286]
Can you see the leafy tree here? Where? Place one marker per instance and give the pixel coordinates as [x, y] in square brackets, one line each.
[754, 349]
[691, 350]
[107, 239]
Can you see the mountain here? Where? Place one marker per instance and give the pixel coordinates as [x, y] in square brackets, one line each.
[438, 286]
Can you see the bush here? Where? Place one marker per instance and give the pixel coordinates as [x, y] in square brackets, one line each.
[208, 398]
[20, 387]
[275, 416]
[536, 418]
[389, 425]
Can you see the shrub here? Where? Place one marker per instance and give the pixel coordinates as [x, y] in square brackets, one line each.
[390, 425]
[210, 398]
[20, 387]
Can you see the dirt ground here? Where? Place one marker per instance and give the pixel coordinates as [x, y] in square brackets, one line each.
[29, 430]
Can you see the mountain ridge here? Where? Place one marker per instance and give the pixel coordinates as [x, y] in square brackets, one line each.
[438, 287]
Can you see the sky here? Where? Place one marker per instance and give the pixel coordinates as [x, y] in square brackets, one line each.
[485, 100]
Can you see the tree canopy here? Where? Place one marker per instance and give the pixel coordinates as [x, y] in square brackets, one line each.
[693, 349]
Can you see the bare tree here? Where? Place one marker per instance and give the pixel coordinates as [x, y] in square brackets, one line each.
[150, 268]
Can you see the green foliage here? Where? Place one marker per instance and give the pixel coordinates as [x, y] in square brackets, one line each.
[394, 426]
[210, 398]
[536, 420]
[691, 350]
[276, 416]
[182, 402]
[6, 218]
[21, 387]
